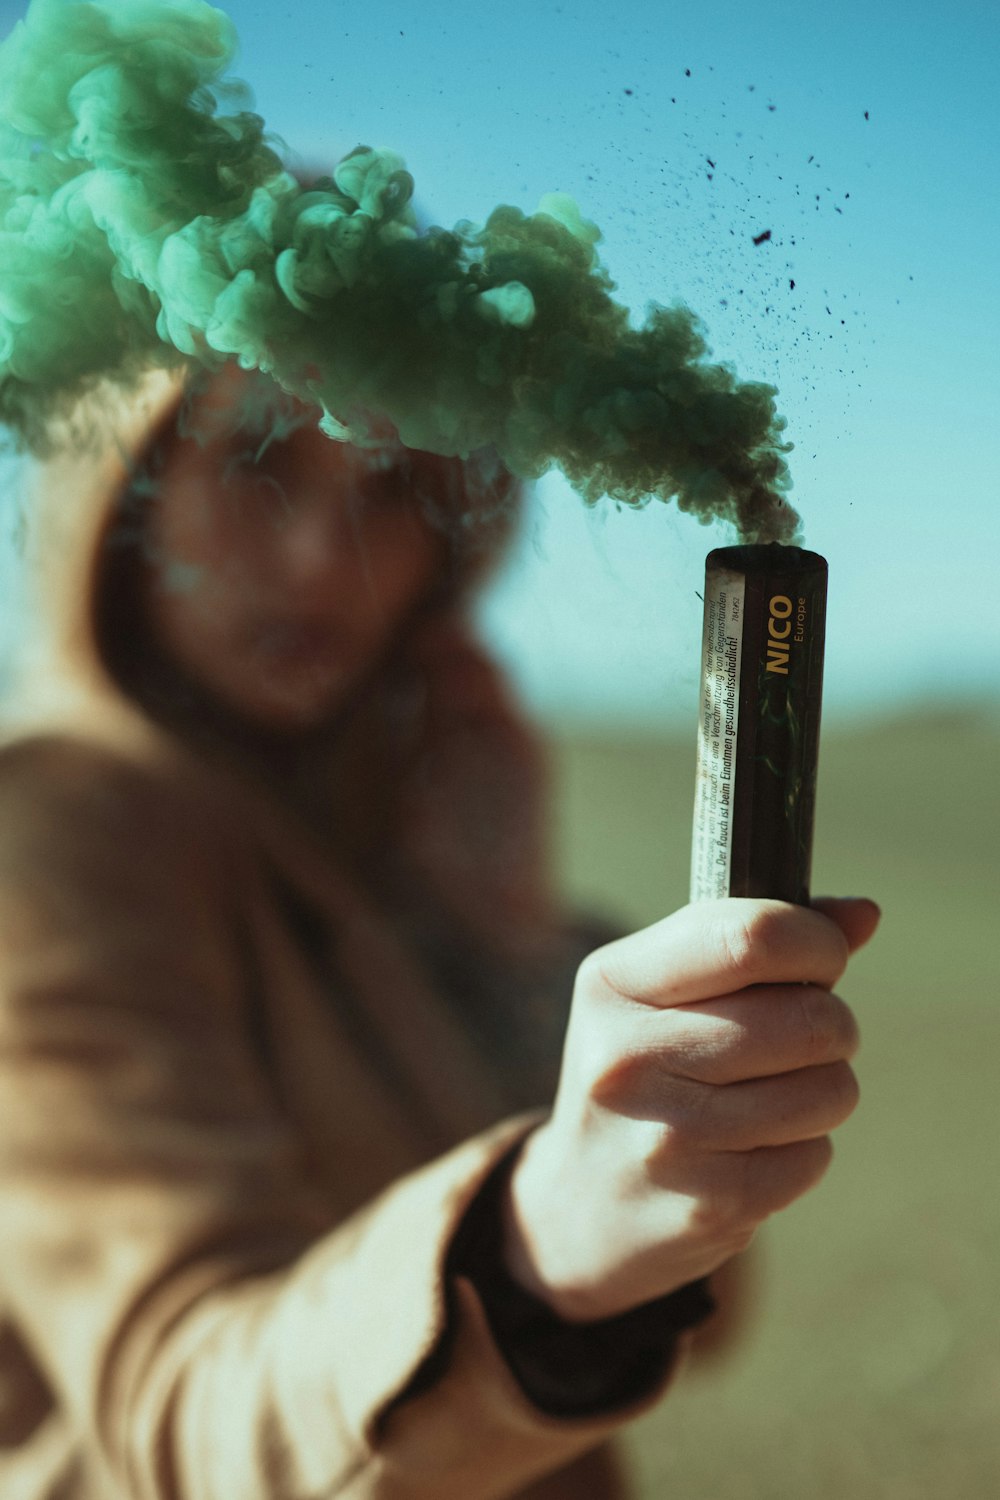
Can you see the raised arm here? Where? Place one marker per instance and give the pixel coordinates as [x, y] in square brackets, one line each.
[206, 1327]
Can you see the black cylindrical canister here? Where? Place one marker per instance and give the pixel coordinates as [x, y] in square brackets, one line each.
[758, 732]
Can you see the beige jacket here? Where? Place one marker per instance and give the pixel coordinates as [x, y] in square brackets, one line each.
[229, 1176]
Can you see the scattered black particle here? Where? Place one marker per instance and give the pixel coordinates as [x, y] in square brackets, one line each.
[791, 283]
[866, 114]
[759, 239]
[687, 72]
[772, 108]
[711, 163]
[812, 158]
[628, 91]
[751, 87]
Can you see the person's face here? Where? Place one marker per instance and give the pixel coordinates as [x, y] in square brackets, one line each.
[277, 584]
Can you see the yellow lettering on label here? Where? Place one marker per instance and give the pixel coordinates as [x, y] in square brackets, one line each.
[779, 628]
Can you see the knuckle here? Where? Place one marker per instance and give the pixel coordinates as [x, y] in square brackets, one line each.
[683, 1133]
[602, 974]
[590, 971]
[829, 1029]
[782, 1174]
[680, 1115]
[808, 1162]
[817, 1025]
[643, 1080]
[821, 1157]
[724, 1217]
[748, 940]
[840, 949]
[620, 1082]
[595, 976]
[848, 1031]
[844, 1090]
[829, 942]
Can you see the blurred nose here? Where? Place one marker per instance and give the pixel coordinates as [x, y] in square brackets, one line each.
[325, 543]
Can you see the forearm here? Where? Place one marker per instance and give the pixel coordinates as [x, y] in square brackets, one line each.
[368, 1368]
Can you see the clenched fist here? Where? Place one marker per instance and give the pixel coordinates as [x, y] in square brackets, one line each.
[706, 1062]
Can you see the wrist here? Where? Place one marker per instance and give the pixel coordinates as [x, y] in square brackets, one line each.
[581, 1267]
[531, 1216]
[568, 1368]
[517, 1243]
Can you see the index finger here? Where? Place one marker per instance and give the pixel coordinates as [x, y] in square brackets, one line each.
[715, 948]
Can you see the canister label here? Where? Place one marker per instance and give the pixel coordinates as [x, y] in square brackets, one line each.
[718, 725]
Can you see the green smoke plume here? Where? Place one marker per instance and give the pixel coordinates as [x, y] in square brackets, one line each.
[140, 223]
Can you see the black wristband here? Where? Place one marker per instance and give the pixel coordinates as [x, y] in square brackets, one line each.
[568, 1369]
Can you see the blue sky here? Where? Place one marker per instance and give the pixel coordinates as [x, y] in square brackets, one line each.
[684, 132]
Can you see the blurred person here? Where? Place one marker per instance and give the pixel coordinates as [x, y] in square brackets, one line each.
[285, 1206]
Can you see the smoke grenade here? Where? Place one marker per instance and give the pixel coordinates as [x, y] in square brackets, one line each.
[145, 218]
[758, 734]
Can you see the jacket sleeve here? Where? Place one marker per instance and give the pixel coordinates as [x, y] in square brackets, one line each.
[206, 1327]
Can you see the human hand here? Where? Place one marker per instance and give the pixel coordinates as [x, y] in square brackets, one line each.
[705, 1064]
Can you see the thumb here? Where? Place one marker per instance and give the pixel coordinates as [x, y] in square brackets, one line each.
[856, 916]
